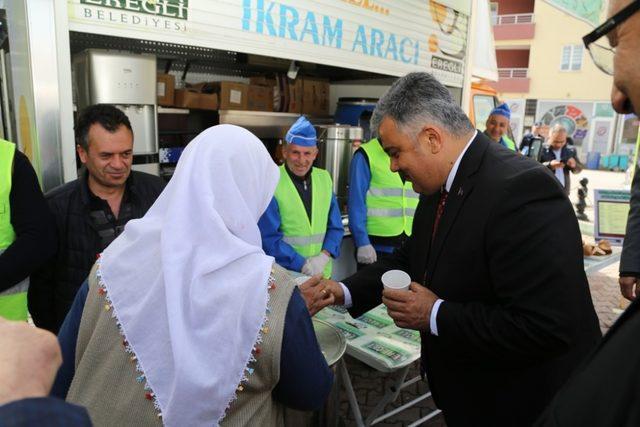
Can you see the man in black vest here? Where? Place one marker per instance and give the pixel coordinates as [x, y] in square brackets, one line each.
[502, 323]
[91, 211]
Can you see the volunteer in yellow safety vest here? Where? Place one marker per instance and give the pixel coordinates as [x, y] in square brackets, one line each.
[302, 228]
[27, 230]
[381, 205]
[497, 125]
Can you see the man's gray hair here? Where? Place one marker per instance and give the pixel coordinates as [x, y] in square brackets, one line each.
[417, 99]
[558, 128]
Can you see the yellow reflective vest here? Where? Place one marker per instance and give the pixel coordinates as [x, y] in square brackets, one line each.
[13, 301]
[305, 236]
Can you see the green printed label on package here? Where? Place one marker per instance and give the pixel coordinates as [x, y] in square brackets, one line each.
[413, 336]
[325, 314]
[332, 314]
[349, 331]
[388, 352]
[338, 308]
[375, 321]
[381, 311]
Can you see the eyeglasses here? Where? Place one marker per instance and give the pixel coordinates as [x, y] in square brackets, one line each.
[603, 55]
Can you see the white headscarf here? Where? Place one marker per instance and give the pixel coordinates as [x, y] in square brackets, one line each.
[188, 281]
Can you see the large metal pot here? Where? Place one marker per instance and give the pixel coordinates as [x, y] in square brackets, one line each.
[335, 143]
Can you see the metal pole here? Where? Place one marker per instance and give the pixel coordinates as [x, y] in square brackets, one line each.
[390, 396]
[466, 81]
[401, 408]
[353, 401]
[41, 81]
[426, 418]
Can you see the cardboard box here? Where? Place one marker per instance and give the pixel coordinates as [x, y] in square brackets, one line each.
[233, 95]
[262, 81]
[192, 98]
[315, 97]
[260, 98]
[165, 88]
[295, 96]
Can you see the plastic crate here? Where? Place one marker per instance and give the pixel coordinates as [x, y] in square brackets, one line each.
[609, 162]
[623, 164]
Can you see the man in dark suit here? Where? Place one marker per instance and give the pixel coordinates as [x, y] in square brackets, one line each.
[498, 289]
[605, 391]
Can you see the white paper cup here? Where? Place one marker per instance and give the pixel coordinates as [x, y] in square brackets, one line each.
[397, 280]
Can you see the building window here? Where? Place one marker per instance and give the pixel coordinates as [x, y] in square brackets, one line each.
[494, 12]
[571, 58]
[482, 107]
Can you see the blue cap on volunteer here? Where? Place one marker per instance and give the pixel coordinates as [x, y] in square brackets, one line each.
[502, 110]
[302, 133]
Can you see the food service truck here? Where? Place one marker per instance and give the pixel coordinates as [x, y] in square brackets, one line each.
[261, 62]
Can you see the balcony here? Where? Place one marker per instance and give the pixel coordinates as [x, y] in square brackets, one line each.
[512, 80]
[519, 26]
[513, 73]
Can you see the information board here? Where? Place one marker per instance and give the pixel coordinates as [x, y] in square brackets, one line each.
[611, 208]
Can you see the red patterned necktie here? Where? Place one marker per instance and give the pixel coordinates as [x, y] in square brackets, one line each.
[440, 211]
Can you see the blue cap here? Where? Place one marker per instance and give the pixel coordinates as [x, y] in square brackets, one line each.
[302, 133]
[502, 110]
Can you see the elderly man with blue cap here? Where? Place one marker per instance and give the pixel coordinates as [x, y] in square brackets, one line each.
[302, 227]
[498, 124]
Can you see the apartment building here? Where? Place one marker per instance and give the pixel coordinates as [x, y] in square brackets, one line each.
[546, 74]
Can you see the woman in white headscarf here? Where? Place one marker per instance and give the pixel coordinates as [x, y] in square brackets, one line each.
[184, 320]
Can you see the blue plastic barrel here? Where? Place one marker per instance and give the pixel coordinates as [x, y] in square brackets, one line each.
[349, 110]
[593, 160]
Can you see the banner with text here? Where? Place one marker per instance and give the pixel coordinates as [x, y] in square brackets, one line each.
[380, 36]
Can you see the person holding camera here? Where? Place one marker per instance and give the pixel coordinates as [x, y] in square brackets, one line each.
[560, 158]
[529, 138]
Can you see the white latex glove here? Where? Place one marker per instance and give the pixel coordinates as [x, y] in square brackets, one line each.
[367, 254]
[315, 264]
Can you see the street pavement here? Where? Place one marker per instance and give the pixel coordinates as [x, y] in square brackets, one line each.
[604, 283]
[370, 384]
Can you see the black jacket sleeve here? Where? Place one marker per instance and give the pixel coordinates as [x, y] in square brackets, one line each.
[366, 285]
[630, 260]
[43, 411]
[33, 224]
[604, 391]
[526, 141]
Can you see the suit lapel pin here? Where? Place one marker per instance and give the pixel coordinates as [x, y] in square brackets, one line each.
[460, 191]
